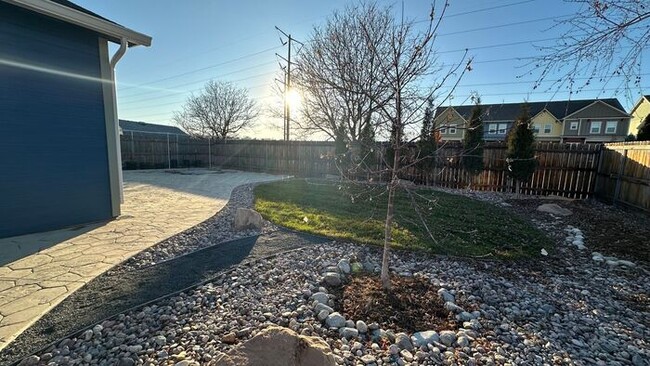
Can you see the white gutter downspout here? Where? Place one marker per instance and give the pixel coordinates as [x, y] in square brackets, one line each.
[114, 60]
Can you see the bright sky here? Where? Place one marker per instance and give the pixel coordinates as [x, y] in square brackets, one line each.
[198, 40]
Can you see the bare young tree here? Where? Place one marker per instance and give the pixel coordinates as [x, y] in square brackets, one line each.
[409, 58]
[220, 111]
[603, 40]
[409, 73]
[339, 74]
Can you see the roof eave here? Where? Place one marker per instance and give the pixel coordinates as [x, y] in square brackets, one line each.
[111, 31]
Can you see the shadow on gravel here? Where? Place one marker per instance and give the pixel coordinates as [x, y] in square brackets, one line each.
[117, 291]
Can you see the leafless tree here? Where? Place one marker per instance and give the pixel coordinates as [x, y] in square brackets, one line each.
[338, 74]
[408, 75]
[220, 111]
[602, 41]
[407, 65]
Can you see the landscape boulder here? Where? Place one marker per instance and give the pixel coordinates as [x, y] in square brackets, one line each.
[245, 218]
[335, 320]
[277, 346]
[332, 279]
[424, 338]
[554, 209]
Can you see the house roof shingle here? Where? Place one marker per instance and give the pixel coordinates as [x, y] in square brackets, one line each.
[510, 111]
[74, 6]
[136, 126]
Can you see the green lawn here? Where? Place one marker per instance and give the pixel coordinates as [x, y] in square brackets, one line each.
[459, 225]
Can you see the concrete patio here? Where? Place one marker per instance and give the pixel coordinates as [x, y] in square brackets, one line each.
[40, 270]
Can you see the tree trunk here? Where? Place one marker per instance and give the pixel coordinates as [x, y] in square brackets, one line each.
[392, 186]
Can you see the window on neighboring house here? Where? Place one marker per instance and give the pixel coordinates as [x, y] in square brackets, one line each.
[595, 127]
[503, 127]
[452, 129]
[443, 129]
[573, 126]
[535, 129]
[492, 129]
[610, 127]
[547, 128]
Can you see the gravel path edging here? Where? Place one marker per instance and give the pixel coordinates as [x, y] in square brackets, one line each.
[212, 231]
[192, 287]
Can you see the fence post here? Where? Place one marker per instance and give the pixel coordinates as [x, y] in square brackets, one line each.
[599, 167]
[169, 157]
[209, 154]
[621, 170]
[132, 147]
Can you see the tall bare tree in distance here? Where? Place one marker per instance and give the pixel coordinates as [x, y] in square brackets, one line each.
[339, 74]
[220, 111]
[603, 40]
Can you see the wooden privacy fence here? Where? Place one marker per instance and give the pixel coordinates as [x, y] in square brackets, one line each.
[160, 151]
[568, 170]
[624, 174]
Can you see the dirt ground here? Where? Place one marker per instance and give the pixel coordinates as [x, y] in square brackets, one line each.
[413, 303]
[610, 230]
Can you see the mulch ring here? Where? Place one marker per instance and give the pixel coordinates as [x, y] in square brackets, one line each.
[412, 305]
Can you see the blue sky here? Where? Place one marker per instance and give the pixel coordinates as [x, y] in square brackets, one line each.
[198, 40]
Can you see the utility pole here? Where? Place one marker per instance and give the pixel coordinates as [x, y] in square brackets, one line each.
[287, 80]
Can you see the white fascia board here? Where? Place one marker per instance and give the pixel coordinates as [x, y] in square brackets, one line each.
[110, 30]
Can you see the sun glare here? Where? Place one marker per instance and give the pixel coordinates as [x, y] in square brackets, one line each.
[293, 98]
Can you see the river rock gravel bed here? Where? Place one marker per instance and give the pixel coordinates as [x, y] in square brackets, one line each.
[561, 309]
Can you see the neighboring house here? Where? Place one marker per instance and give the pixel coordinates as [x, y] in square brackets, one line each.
[149, 128]
[639, 112]
[560, 121]
[59, 138]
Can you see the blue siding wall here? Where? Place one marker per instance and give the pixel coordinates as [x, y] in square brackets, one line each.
[53, 154]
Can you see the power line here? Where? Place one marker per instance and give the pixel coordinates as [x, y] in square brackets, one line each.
[485, 9]
[204, 68]
[190, 91]
[503, 25]
[169, 88]
[273, 48]
[460, 86]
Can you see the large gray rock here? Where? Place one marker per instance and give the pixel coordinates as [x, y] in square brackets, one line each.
[245, 218]
[349, 332]
[447, 337]
[344, 266]
[320, 307]
[424, 338]
[335, 320]
[332, 278]
[446, 295]
[554, 209]
[320, 297]
[361, 326]
[29, 361]
[403, 341]
[276, 346]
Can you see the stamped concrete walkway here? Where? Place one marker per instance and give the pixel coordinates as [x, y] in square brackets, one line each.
[157, 205]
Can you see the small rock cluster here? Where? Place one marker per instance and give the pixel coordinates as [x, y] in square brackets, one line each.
[423, 345]
[575, 237]
[611, 261]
